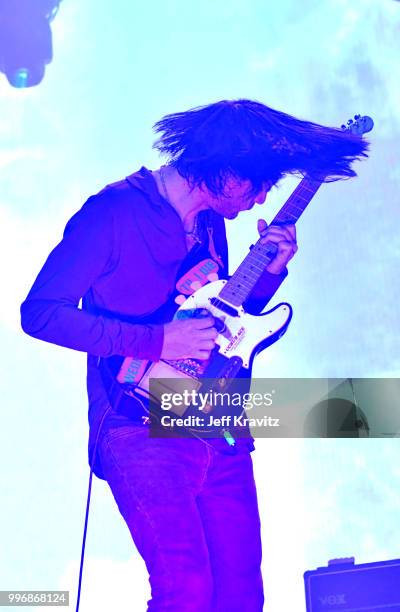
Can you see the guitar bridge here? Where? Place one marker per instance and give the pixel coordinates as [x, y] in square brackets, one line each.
[190, 367]
[163, 377]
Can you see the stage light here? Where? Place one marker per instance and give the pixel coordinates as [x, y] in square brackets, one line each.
[25, 40]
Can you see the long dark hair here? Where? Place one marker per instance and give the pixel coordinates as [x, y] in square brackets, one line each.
[248, 140]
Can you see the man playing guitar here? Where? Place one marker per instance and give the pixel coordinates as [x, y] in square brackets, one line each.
[190, 503]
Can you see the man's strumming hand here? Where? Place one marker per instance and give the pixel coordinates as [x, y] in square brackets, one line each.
[284, 236]
[193, 338]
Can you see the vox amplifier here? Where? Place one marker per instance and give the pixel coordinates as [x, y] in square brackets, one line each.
[343, 586]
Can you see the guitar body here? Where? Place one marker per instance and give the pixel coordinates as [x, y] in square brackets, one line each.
[241, 336]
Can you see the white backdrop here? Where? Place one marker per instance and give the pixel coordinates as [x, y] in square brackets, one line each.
[118, 67]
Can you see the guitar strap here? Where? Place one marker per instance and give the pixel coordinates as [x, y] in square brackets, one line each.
[201, 265]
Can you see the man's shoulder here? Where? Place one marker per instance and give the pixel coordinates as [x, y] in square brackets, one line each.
[134, 188]
[117, 192]
[113, 194]
[118, 197]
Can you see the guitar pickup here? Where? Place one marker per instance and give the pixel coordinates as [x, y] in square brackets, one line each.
[220, 305]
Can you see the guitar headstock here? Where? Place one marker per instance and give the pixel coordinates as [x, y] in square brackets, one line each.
[359, 125]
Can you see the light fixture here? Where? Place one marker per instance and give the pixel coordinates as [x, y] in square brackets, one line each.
[25, 40]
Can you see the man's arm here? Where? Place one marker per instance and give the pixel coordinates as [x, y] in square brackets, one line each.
[265, 289]
[50, 312]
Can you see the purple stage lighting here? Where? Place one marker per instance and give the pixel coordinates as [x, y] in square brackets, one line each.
[25, 40]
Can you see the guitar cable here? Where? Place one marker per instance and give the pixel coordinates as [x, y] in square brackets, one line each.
[91, 464]
[92, 458]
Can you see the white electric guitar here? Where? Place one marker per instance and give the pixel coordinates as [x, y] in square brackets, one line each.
[241, 336]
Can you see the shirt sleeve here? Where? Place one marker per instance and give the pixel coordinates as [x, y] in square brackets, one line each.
[265, 289]
[51, 310]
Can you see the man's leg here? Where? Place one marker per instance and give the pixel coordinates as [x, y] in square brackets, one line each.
[155, 483]
[229, 511]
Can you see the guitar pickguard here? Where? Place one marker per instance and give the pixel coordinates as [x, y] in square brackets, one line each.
[240, 334]
[240, 337]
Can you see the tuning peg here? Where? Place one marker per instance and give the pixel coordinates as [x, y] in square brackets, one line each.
[367, 123]
[361, 125]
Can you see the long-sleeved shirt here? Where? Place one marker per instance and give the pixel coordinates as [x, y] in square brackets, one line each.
[120, 254]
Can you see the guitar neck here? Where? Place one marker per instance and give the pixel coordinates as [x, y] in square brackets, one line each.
[249, 272]
[297, 202]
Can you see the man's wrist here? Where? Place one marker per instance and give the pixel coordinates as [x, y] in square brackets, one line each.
[278, 270]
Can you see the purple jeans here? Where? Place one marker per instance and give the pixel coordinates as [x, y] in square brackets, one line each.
[192, 512]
